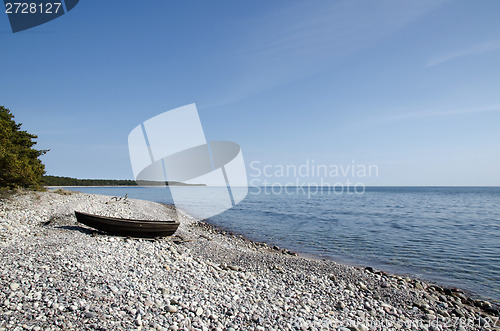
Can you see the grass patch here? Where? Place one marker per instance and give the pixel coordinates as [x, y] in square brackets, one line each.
[63, 192]
[6, 193]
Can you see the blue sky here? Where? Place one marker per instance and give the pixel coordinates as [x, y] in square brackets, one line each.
[410, 86]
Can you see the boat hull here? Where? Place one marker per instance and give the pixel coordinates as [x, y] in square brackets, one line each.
[128, 227]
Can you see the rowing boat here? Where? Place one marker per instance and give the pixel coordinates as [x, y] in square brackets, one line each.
[128, 227]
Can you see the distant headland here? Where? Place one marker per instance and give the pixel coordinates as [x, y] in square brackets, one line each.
[69, 181]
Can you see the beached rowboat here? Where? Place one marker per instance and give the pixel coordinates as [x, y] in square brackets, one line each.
[128, 227]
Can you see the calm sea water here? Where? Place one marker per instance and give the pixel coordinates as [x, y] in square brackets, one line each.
[449, 235]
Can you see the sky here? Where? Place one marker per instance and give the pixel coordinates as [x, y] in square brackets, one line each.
[410, 87]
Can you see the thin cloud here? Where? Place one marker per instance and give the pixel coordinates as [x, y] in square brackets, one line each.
[303, 38]
[330, 28]
[416, 115]
[478, 49]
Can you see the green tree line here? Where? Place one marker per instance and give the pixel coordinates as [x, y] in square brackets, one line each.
[68, 181]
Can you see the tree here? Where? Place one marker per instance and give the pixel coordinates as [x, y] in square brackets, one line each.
[19, 161]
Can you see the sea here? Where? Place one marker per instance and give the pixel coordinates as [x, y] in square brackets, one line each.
[446, 235]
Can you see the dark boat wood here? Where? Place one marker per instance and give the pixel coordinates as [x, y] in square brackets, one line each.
[128, 227]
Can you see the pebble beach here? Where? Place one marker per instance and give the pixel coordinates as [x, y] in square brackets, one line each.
[57, 274]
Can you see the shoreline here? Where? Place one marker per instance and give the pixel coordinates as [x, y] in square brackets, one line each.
[339, 260]
[360, 266]
[199, 278]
